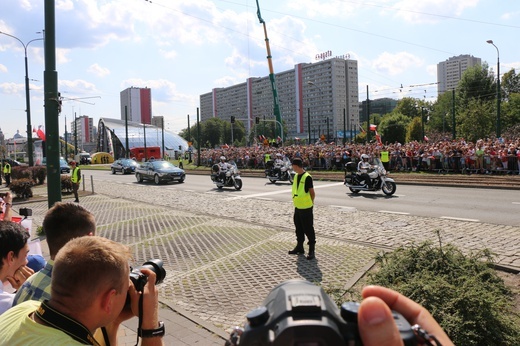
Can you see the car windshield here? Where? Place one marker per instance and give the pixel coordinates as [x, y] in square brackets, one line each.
[163, 165]
[63, 162]
[129, 162]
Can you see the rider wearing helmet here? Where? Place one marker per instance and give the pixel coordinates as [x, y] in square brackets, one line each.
[278, 164]
[223, 167]
[363, 167]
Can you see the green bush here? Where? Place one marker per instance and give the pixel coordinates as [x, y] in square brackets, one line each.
[22, 188]
[39, 173]
[462, 292]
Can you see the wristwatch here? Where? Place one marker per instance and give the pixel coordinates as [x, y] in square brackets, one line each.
[150, 333]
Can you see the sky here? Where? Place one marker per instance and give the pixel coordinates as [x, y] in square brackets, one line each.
[184, 48]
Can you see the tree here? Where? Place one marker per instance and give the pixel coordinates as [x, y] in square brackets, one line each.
[393, 127]
[477, 120]
[510, 84]
[414, 130]
[476, 83]
[408, 106]
[211, 131]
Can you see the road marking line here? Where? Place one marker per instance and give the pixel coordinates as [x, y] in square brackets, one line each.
[287, 191]
[347, 208]
[516, 202]
[459, 219]
[393, 212]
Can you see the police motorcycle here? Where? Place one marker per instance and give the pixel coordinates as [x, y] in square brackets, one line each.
[229, 177]
[378, 176]
[283, 172]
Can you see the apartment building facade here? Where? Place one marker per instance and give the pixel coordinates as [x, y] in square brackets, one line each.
[450, 72]
[315, 99]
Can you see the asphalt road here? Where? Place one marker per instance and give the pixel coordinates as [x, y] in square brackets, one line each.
[494, 206]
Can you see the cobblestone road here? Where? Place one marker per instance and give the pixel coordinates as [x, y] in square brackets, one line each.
[223, 255]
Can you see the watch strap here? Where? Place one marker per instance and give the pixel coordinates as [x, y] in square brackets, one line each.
[150, 333]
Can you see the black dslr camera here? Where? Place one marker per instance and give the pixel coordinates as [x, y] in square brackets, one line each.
[298, 313]
[139, 279]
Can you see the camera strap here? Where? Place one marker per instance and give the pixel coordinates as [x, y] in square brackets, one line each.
[67, 325]
[140, 317]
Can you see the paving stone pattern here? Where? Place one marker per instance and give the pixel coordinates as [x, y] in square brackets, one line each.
[224, 254]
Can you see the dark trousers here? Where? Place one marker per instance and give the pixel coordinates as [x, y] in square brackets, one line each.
[75, 188]
[304, 223]
[7, 178]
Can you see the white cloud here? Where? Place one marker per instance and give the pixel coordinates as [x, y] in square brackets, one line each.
[316, 8]
[11, 88]
[98, 70]
[76, 87]
[3, 68]
[394, 64]
[414, 11]
[510, 15]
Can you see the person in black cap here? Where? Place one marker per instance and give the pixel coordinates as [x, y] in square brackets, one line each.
[303, 200]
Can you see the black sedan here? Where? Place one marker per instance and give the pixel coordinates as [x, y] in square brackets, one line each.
[124, 166]
[159, 171]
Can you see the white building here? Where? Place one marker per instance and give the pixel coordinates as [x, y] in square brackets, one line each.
[450, 72]
[321, 97]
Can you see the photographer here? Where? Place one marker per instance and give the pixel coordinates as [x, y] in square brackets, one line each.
[90, 285]
[13, 257]
[376, 323]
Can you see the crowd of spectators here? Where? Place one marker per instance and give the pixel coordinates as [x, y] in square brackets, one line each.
[485, 156]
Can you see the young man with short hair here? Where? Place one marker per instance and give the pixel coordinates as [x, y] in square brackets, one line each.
[13, 260]
[90, 285]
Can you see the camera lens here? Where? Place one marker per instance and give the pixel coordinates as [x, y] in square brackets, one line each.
[156, 265]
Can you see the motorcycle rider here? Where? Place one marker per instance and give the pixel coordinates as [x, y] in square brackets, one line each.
[363, 167]
[278, 164]
[223, 168]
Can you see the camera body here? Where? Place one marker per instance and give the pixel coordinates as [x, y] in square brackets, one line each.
[139, 279]
[296, 312]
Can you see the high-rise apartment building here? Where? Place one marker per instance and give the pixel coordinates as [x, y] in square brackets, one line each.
[82, 131]
[138, 104]
[450, 72]
[315, 99]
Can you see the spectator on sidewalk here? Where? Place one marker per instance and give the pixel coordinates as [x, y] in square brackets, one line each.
[75, 178]
[90, 286]
[13, 257]
[62, 223]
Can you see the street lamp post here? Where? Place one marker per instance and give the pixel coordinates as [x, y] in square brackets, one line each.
[27, 98]
[498, 88]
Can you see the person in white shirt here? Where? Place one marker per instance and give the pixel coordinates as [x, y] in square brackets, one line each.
[13, 256]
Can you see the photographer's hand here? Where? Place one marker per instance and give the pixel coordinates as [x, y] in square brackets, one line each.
[150, 313]
[377, 326]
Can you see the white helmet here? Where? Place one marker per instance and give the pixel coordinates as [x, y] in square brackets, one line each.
[364, 156]
[222, 158]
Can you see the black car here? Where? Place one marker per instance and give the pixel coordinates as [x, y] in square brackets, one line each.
[12, 162]
[124, 166]
[159, 172]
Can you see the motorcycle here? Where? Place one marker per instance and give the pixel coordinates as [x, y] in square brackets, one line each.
[279, 173]
[231, 177]
[380, 181]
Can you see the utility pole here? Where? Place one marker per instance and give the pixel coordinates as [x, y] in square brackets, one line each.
[51, 102]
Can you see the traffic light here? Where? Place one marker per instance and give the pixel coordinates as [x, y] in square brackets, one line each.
[180, 147]
[232, 119]
[257, 120]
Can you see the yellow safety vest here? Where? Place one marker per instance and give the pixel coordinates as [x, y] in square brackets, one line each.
[384, 156]
[7, 168]
[267, 157]
[301, 199]
[75, 178]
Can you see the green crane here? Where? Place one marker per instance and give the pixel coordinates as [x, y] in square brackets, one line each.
[276, 110]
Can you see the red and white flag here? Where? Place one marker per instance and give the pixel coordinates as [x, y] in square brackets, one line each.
[40, 133]
[373, 127]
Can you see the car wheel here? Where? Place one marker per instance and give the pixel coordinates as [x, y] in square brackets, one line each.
[139, 177]
[113, 171]
[156, 179]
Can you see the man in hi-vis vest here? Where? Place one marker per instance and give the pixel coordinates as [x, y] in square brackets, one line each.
[75, 178]
[303, 200]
